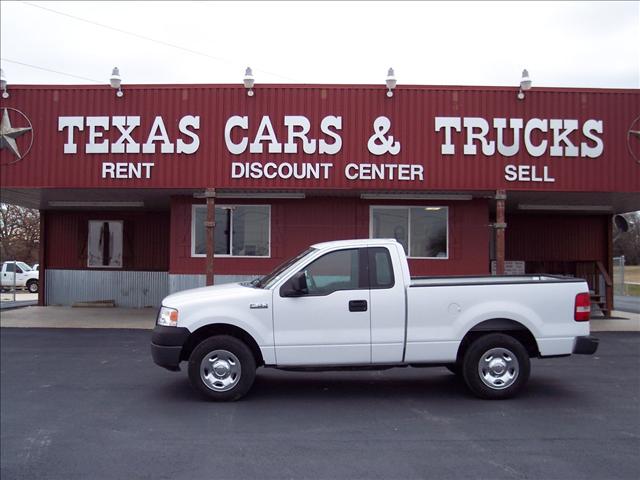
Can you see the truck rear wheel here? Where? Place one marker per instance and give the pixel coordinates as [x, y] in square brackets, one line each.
[222, 368]
[32, 286]
[496, 366]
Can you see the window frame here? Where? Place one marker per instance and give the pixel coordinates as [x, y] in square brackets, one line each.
[196, 206]
[114, 267]
[409, 207]
[363, 273]
[373, 267]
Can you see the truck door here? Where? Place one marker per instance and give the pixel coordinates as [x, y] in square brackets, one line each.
[8, 275]
[328, 323]
[388, 307]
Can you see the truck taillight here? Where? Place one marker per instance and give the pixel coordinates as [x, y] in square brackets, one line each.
[582, 309]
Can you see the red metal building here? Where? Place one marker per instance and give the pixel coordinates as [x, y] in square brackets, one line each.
[129, 187]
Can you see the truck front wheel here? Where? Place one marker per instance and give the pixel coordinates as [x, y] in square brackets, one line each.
[222, 368]
[32, 286]
[496, 366]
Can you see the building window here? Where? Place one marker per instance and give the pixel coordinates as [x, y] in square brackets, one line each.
[105, 244]
[423, 232]
[241, 231]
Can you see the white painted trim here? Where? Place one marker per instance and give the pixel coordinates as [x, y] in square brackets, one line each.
[193, 231]
[409, 207]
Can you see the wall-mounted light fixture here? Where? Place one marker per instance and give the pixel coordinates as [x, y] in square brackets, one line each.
[566, 208]
[525, 84]
[249, 81]
[416, 196]
[3, 84]
[285, 195]
[64, 203]
[116, 81]
[391, 82]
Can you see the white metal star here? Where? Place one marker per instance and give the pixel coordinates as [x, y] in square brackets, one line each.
[8, 134]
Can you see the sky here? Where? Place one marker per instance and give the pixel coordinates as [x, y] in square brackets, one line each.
[562, 44]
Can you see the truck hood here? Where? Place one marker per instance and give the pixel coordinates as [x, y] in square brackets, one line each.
[210, 295]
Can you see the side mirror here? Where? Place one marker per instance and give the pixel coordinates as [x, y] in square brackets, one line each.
[296, 286]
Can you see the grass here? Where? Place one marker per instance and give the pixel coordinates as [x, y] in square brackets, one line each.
[631, 279]
[632, 273]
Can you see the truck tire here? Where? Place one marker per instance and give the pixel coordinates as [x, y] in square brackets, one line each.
[32, 286]
[496, 366]
[222, 368]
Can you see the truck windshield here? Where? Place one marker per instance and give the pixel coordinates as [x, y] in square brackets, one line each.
[24, 266]
[273, 277]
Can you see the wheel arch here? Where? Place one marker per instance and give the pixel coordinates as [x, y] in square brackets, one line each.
[208, 331]
[500, 325]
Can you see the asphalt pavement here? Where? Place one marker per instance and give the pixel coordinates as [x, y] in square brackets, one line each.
[89, 403]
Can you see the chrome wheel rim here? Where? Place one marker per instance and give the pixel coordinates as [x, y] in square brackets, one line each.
[498, 368]
[220, 370]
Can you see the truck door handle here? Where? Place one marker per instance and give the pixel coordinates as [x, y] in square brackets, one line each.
[357, 305]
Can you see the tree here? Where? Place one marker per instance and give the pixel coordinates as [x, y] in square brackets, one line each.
[19, 233]
[628, 243]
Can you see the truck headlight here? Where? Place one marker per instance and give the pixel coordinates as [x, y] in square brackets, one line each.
[168, 317]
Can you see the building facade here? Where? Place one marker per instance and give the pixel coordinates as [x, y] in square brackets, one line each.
[137, 192]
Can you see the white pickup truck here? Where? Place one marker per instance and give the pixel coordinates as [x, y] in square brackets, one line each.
[19, 275]
[352, 304]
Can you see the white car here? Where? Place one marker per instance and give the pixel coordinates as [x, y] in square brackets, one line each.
[19, 275]
[352, 304]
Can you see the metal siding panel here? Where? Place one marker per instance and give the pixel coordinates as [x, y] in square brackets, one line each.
[295, 224]
[556, 238]
[411, 110]
[126, 288]
[146, 238]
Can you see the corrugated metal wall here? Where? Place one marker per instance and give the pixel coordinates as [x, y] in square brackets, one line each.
[412, 111]
[126, 288]
[296, 224]
[557, 238]
[145, 239]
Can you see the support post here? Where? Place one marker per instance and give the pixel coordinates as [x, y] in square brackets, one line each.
[210, 227]
[609, 284]
[500, 226]
[42, 260]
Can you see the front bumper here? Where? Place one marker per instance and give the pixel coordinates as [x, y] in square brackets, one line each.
[586, 345]
[166, 346]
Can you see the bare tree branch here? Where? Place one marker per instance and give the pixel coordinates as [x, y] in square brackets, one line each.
[19, 233]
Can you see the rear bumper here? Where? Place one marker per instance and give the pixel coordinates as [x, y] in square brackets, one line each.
[166, 346]
[586, 345]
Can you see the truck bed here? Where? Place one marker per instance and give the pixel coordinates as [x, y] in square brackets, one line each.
[489, 280]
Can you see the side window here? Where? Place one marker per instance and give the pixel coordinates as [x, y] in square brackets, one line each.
[11, 267]
[340, 270]
[380, 268]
